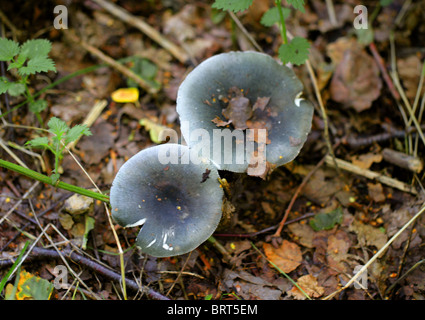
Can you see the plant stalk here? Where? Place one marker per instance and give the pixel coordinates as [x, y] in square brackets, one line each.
[45, 179]
[282, 22]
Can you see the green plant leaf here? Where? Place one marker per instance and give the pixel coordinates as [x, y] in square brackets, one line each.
[89, 225]
[232, 5]
[4, 85]
[18, 63]
[8, 49]
[16, 89]
[57, 126]
[385, 3]
[75, 132]
[272, 16]
[36, 48]
[38, 105]
[55, 178]
[325, 221]
[37, 64]
[295, 52]
[33, 287]
[297, 4]
[38, 142]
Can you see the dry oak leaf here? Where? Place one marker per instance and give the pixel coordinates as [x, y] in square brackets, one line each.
[310, 286]
[287, 257]
[366, 160]
[356, 82]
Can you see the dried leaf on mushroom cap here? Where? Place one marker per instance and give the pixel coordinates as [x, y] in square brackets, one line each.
[204, 96]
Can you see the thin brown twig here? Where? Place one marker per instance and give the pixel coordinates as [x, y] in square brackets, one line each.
[138, 23]
[294, 197]
[41, 253]
[385, 75]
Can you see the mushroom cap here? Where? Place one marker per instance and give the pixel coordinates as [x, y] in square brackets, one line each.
[257, 75]
[178, 204]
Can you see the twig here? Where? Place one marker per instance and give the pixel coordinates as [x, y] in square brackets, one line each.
[344, 165]
[331, 12]
[294, 197]
[41, 253]
[244, 31]
[380, 63]
[143, 27]
[114, 64]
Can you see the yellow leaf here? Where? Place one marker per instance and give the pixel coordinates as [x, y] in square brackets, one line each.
[125, 95]
[155, 130]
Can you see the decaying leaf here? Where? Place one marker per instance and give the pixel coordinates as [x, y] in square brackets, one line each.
[310, 286]
[287, 257]
[356, 82]
[30, 287]
[368, 235]
[366, 160]
[326, 221]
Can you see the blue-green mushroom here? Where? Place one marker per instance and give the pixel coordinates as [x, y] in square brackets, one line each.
[177, 203]
[231, 97]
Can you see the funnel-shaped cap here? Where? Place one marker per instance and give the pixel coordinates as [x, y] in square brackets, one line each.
[231, 94]
[178, 204]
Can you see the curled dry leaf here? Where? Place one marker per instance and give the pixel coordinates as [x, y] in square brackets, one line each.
[310, 286]
[356, 82]
[287, 257]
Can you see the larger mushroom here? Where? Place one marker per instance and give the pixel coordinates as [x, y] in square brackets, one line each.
[232, 95]
[177, 203]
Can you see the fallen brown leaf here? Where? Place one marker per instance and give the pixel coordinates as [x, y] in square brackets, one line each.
[287, 257]
[310, 286]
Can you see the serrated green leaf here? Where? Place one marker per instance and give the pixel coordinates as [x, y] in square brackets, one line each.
[297, 4]
[16, 89]
[295, 52]
[4, 85]
[272, 16]
[38, 142]
[36, 48]
[57, 126]
[18, 63]
[8, 49]
[38, 106]
[326, 221]
[75, 132]
[37, 64]
[232, 5]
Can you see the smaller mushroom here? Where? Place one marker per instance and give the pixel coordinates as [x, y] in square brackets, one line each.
[178, 205]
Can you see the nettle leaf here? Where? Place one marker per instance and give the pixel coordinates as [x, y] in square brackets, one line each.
[75, 132]
[16, 89]
[40, 142]
[295, 52]
[57, 126]
[232, 5]
[272, 16]
[297, 4]
[8, 49]
[38, 106]
[18, 63]
[4, 85]
[36, 48]
[37, 64]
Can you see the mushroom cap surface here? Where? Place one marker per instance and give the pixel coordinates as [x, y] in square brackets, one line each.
[178, 204]
[257, 75]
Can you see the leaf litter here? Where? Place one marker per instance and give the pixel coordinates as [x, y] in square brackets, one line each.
[319, 260]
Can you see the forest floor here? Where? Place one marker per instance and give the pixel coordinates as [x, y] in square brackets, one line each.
[338, 219]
